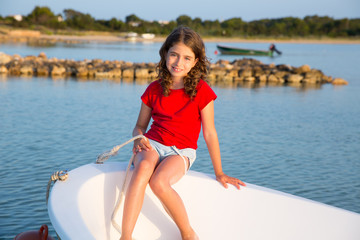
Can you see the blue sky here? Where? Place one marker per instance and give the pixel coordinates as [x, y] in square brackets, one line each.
[205, 9]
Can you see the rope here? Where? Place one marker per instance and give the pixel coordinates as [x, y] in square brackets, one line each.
[106, 155]
[59, 175]
[182, 156]
[121, 198]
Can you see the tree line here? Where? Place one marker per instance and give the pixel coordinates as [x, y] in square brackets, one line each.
[309, 26]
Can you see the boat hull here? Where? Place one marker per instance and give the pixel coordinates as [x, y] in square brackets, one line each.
[81, 208]
[242, 51]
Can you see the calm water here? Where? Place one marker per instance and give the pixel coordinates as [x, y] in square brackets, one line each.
[301, 141]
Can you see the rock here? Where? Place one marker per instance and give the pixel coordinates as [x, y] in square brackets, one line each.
[152, 73]
[281, 74]
[227, 78]
[3, 70]
[273, 78]
[249, 79]
[272, 65]
[314, 76]
[142, 73]
[327, 79]
[115, 73]
[81, 72]
[339, 81]
[14, 70]
[151, 65]
[128, 73]
[42, 71]
[284, 67]
[26, 70]
[53, 60]
[4, 58]
[229, 66]
[16, 57]
[128, 64]
[294, 78]
[247, 72]
[29, 58]
[58, 71]
[216, 74]
[263, 78]
[232, 73]
[97, 62]
[91, 72]
[101, 74]
[222, 62]
[42, 55]
[302, 69]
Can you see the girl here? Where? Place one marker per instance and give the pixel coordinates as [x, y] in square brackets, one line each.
[179, 103]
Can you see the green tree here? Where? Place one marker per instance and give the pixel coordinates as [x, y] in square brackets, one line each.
[78, 20]
[132, 18]
[184, 20]
[233, 27]
[43, 16]
[115, 24]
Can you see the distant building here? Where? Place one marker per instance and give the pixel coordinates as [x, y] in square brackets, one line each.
[163, 22]
[60, 18]
[17, 17]
[134, 24]
[148, 36]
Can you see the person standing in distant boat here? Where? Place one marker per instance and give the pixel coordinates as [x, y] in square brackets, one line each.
[179, 103]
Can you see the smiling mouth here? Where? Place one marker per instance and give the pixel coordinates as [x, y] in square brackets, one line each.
[176, 69]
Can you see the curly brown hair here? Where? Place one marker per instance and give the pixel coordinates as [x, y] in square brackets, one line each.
[192, 40]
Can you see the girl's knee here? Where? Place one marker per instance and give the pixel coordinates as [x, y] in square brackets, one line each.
[159, 185]
[145, 167]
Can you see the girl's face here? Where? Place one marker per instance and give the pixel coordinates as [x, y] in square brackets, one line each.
[179, 61]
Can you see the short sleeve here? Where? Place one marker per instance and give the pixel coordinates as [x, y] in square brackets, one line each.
[147, 95]
[205, 94]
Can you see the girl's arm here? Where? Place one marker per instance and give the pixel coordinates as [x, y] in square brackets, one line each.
[212, 142]
[140, 128]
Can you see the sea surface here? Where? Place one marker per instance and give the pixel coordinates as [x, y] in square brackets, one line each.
[300, 140]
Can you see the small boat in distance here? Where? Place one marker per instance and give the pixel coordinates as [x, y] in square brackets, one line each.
[227, 50]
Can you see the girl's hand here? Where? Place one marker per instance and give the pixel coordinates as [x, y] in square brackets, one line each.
[141, 144]
[225, 179]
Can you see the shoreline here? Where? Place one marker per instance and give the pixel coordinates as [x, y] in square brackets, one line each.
[37, 36]
[113, 38]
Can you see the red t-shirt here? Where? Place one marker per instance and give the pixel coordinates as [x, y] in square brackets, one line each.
[176, 118]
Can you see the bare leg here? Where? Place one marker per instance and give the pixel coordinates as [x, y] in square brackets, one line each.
[167, 173]
[145, 163]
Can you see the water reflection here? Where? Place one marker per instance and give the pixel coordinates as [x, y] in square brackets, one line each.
[219, 84]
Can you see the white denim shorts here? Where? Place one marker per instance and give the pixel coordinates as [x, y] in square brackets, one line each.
[166, 151]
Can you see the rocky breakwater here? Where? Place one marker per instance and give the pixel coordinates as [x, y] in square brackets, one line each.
[254, 71]
[222, 72]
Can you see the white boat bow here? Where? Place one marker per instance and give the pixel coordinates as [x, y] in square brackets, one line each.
[81, 208]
